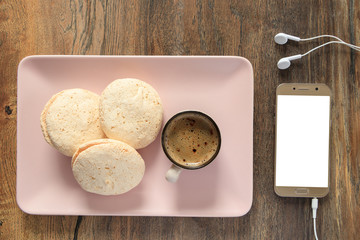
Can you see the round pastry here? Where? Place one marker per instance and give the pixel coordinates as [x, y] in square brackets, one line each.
[71, 118]
[107, 167]
[131, 111]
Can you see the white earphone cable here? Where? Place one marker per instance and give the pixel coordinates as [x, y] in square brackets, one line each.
[282, 38]
[315, 233]
[314, 206]
[356, 48]
[320, 36]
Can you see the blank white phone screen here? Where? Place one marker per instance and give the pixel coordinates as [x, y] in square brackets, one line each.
[302, 140]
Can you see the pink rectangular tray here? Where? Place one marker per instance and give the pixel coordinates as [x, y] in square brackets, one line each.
[222, 87]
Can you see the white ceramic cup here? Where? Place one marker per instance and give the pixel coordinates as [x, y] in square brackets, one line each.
[191, 140]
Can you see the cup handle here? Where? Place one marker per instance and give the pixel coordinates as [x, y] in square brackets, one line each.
[172, 175]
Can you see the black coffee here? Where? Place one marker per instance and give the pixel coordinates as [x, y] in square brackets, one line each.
[191, 140]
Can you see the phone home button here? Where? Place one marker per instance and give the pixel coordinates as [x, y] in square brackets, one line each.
[301, 191]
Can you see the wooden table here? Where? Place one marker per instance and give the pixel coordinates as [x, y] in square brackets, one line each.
[214, 27]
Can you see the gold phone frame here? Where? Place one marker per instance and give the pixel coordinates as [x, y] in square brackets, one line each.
[302, 89]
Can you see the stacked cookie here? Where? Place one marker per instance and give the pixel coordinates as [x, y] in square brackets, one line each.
[102, 133]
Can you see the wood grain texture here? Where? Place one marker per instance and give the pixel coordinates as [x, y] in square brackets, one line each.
[202, 27]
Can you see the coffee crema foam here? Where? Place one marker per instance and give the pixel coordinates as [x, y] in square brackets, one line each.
[191, 140]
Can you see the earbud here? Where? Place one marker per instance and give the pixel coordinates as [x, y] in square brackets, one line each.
[282, 38]
[285, 62]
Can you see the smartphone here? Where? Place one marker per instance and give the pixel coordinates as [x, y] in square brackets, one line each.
[302, 139]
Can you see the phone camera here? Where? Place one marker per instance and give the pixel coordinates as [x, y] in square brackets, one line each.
[293, 88]
[316, 89]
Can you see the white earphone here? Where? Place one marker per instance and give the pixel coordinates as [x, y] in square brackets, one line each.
[282, 38]
[285, 62]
